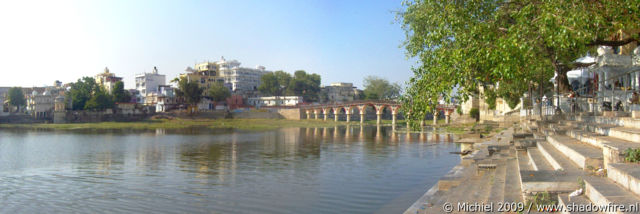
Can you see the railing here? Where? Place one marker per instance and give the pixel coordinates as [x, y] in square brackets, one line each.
[587, 99]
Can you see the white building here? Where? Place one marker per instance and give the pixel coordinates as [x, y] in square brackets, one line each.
[275, 101]
[240, 80]
[148, 83]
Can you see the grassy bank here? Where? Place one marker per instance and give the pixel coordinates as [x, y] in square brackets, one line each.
[249, 124]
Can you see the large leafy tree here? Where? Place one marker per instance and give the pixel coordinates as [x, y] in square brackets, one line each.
[190, 91]
[120, 95]
[305, 85]
[81, 91]
[218, 92]
[270, 85]
[16, 97]
[100, 100]
[502, 45]
[376, 88]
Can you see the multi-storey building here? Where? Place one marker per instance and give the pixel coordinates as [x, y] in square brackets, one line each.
[205, 74]
[107, 80]
[340, 92]
[240, 80]
[148, 84]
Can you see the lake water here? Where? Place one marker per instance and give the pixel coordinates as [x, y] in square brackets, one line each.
[293, 170]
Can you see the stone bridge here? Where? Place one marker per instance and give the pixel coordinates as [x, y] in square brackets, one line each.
[349, 108]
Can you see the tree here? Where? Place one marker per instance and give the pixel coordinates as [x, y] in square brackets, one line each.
[218, 92]
[376, 88]
[81, 91]
[16, 97]
[100, 100]
[190, 91]
[502, 45]
[305, 85]
[119, 94]
[275, 84]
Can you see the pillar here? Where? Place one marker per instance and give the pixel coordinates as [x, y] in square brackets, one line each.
[378, 118]
[308, 115]
[316, 114]
[336, 115]
[348, 117]
[393, 119]
[447, 117]
[326, 115]
[435, 118]
[361, 117]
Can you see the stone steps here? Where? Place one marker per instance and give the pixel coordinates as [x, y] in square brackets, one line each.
[524, 163]
[547, 181]
[498, 183]
[556, 158]
[558, 175]
[513, 185]
[612, 148]
[584, 155]
[537, 161]
[626, 175]
[564, 200]
[602, 192]
[472, 188]
[618, 121]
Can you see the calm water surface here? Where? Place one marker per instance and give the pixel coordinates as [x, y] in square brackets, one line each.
[293, 170]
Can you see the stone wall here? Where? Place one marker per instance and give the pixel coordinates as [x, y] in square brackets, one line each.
[256, 115]
[291, 114]
[96, 117]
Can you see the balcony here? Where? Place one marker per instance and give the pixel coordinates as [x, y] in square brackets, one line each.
[614, 60]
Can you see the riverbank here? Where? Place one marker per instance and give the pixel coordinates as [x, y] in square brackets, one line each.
[178, 123]
[484, 175]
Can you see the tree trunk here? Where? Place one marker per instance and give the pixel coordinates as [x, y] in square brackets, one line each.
[561, 79]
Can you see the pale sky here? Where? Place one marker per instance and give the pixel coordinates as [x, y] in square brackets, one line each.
[343, 41]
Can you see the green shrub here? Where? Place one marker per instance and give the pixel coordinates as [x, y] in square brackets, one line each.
[475, 113]
[632, 155]
[459, 110]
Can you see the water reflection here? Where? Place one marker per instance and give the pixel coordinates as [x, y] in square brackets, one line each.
[342, 169]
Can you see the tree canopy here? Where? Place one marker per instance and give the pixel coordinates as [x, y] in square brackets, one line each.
[119, 94]
[190, 91]
[81, 91]
[503, 45]
[16, 97]
[218, 92]
[100, 100]
[86, 94]
[376, 88]
[281, 83]
[305, 85]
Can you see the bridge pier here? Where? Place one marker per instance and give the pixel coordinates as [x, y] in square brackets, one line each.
[435, 118]
[422, 123]
[336, 115]
[378, 118]
[315, 112]
[326, 116]
[447, 117]
[348, 117]
[361, 117]
[393, 120]
[308, 115]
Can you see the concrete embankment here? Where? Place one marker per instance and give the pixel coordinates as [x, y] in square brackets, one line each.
[488, 174]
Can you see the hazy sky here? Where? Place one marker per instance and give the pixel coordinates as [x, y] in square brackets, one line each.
[43, 41]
